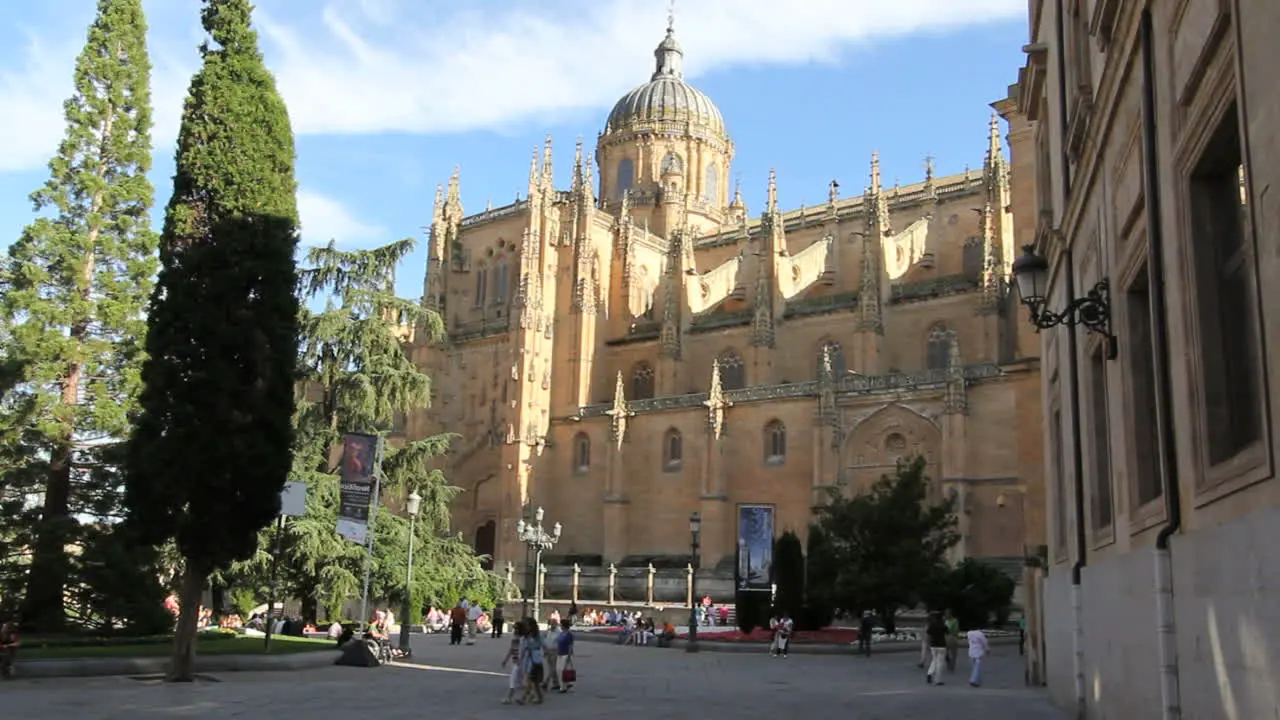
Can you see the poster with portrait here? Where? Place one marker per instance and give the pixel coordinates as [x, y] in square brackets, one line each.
[755, 547]
[358, 485]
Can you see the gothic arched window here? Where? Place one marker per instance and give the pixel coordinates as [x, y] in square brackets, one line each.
[775, 442]
[672, 450]
[626, 177]
[641, 381]
[482, 285]
[838, 367]
[501, 282]
[938, 352]
[711, 185]
[733, 374]
[581, 453]
[971, 258]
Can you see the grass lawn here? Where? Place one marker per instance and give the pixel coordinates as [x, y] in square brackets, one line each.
[31, 649]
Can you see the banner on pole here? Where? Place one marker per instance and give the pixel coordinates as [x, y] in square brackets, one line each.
[359, 463]
[755, 548]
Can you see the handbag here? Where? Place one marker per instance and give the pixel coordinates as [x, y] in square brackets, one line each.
[570, 674]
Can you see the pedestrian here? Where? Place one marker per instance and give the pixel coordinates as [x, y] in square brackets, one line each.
[978, 650]
[531, 659]
[953, 640]
[9, 644]
[1022, 634]
[515, 676]
[457, 620]
[564, 648]
[866, 626]
[784, 629]
[498, 622]
[473, 621]
[936, 633]
[550, 654]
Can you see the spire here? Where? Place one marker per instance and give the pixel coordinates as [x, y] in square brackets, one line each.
[548, 175]
[833, 192]
[578, 176]
[534, 179]
[716, 403]
[453, 199]
[993, 141]
[437, 211]
[875, 172]
[827, 414]
[772, 202]
[619, 413]
[669, 56]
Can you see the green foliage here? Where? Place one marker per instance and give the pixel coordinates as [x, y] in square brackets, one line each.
[884, 544]
[976, 592]
[244, 600]
[752, 610]
[788, 568]
[821, 571]
[212, 447]
[72, 292]
[119, 592]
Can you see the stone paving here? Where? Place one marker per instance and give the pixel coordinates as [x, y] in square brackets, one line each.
[621, 683]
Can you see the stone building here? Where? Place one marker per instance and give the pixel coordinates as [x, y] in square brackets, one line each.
[1153, 150]
[639, 347]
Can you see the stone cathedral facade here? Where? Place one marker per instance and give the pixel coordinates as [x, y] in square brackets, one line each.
[640, 346]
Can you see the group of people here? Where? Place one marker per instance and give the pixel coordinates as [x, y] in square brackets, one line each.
[940, 649]
[535, 659]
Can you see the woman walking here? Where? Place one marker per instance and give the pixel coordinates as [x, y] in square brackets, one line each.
[515, 677]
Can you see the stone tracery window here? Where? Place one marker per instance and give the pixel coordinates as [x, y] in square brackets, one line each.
[482, 285]
[775, 443]
[581, 453]
[971, 259]
[895, 447]
[733, 373]
[672, 450]
[641, 381]
[711, 185]
[938, 352]
[625, 178]
[838, 366]
[501, 282]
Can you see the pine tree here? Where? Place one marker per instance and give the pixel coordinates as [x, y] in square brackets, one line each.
[211, 449]
[76, 283]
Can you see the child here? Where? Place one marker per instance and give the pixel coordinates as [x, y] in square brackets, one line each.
[515, 678]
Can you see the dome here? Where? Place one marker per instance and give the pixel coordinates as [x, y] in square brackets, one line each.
[666, 97]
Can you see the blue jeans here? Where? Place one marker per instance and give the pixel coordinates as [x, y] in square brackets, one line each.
[975, 674]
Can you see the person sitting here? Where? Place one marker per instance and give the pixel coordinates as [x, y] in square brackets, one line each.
[335, 631]
[667, 635]
[9, 644]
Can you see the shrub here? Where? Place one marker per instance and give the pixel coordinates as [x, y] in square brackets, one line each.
[974, 591]
[788, 567]
[752, 609]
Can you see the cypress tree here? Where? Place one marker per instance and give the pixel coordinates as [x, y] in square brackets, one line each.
[75, 285]
[211, 449]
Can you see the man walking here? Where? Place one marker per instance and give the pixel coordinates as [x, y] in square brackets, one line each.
[978, 649]
[457, 620]
[498, 621]
[866, 626]
[473, 620]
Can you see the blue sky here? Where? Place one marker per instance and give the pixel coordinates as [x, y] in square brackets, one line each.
[387, 96]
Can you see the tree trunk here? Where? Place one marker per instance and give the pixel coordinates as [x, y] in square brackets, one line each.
[310, 607]
[218, 600]
[182, 664]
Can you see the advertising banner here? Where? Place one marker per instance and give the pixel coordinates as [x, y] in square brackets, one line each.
[755, 547]
[359, 483]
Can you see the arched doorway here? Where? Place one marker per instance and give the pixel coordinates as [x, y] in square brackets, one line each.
[486, 537]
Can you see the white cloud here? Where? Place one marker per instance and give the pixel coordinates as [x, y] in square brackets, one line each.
[372, 66]
[324, 218]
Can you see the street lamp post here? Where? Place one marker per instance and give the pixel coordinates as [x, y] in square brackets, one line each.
[1092, 310]
[695, 531]
[536, 540]
[412, 506]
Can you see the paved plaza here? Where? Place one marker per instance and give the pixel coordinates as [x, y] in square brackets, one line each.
[621, 683]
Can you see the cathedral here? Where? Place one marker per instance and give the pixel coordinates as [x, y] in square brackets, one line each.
[640, 346]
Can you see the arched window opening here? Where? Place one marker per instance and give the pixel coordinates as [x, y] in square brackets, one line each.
[672, 450]
[711, 185]
[626, 177]
[838, 368]
[733, 374]
[482, 285]
[486, 543]
[939, 347]
[501, 283]
[641, 381]
[775, 443]
[971, 259]
[581, 453]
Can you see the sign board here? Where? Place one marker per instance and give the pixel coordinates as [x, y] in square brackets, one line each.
[359, 463]
[755, 548]
[293, 499]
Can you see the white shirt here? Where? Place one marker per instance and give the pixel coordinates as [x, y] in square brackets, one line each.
[474, 612]
[978, 646]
